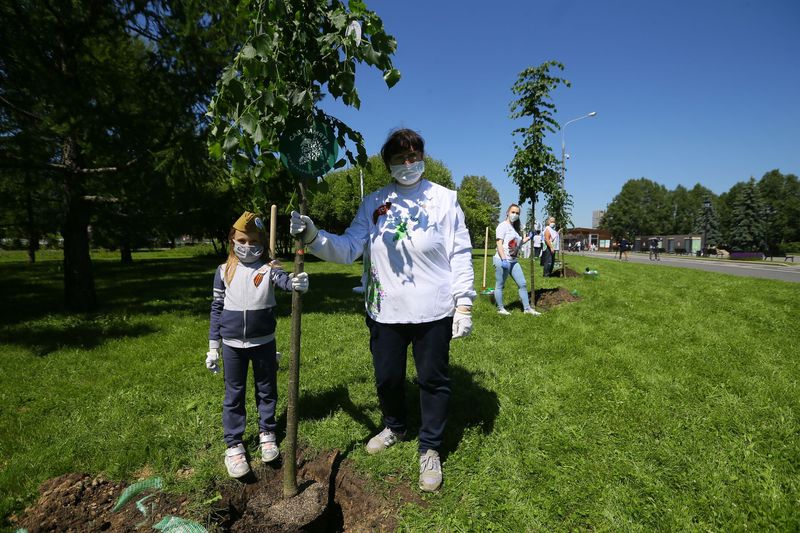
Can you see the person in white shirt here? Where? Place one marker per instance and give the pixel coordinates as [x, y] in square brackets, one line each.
[509, 241]
[550, 246]
[419, 290]
[537, 243]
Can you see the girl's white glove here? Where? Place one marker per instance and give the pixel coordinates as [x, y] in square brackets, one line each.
[300, 282]
[302, 227]
[212, 360]
[462, 324]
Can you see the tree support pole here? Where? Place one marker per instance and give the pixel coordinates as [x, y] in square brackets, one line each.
[290, 459]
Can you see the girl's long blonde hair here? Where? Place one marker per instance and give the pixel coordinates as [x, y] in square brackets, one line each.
[233, 261]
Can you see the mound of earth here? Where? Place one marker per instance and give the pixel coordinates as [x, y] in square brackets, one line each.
[332, 497]
[568, 273]
[80, 502]
[547, 299]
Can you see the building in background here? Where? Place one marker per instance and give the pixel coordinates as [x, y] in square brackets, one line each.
[597, 216]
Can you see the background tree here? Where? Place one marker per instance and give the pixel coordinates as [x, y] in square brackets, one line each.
[781, 196]
[535, 168]
[749, 230]
[707, 224]
[101, 86]
[481, 204]
[640, 208]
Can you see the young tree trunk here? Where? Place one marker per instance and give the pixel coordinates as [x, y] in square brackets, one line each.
[79, 294]
[290, 460]
[33, 235]
[533, 253]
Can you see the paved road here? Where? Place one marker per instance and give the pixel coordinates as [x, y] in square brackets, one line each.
[761, 269]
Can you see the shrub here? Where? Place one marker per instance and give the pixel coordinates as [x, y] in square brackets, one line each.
[747, 256]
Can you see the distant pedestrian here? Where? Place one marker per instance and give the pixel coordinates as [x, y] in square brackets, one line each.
[243, 323]
[537, 243]
[623, 249]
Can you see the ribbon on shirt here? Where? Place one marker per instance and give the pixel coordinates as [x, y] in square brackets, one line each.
[382, 210]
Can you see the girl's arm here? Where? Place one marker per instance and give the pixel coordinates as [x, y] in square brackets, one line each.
[280, 278]
[217, 304]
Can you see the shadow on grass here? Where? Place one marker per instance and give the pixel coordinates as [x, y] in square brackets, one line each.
[323, 404]
[33, 314]
[471, 406]
[84, 333]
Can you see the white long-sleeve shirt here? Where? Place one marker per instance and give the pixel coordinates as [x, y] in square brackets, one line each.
[419, 256]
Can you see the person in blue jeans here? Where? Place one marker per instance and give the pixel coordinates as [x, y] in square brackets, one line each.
[509, 241]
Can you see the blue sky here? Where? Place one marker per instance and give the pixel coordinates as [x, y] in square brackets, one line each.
[685, 91]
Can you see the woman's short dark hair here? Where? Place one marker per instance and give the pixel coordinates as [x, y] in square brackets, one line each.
[399, 141]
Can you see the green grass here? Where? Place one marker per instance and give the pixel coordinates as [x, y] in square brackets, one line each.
[665, 399]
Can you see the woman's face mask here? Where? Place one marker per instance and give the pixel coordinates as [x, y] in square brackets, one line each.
[247, 253]
[407, 174]
[513, 217]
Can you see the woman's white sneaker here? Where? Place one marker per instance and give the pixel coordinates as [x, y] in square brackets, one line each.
[236, 461]
[430, 471]
[532, 311]
[383, 440]
[502, 311]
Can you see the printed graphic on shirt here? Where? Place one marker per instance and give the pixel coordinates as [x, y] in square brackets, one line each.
[513, 249]
[374, 293]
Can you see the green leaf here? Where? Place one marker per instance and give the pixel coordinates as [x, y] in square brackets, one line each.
[215, 150]
[258, 135]
[231, 141]
[248, 52]
[391, 77]
[263, 45]
[340, 163]
[249, 122]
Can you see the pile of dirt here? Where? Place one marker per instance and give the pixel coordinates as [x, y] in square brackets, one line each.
[568, 273]
[332, 497]
[350, 502]
[80, 502]
[547, 299]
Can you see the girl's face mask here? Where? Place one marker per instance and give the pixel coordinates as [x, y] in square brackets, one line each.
[513, 217]
[247, 253]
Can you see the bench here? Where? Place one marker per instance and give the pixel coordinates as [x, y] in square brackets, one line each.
[785, 258]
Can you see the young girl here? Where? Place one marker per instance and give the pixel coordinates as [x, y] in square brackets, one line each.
[243, 325]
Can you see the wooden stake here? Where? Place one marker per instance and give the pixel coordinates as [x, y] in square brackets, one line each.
[485, 256]
[273, 228]
[290, 459]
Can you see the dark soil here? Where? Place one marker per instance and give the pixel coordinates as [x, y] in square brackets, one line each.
[332, 497]
[82, 503]
[547, 299]
[568, 273]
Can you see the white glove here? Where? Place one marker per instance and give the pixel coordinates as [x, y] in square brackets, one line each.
[300, 282]
[302, 227]
[212, 358]
[462, 324]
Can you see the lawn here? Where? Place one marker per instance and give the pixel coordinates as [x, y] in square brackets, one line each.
[665, 399]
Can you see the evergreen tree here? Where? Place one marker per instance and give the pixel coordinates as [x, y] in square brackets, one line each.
[749, 229]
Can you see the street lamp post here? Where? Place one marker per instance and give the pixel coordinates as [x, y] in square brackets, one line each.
[563, 172]
[706, 206]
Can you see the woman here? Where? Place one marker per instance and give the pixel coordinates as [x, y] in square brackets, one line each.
[505, 262]
[550, 246]
[418, 291]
